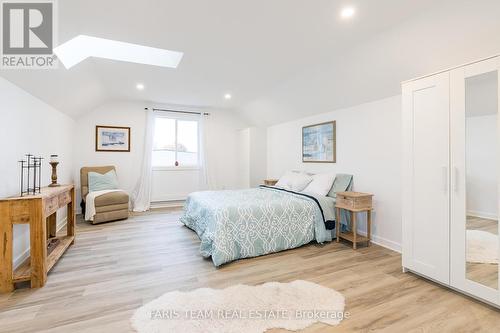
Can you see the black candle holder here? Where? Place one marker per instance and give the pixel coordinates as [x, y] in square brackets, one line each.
[31, 175]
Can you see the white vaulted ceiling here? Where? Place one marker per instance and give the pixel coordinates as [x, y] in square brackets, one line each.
[279, 59]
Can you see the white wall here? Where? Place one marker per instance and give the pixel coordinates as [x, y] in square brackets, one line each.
[223, 149]
[28, 125]
[482, 166]
[174, 185]
[244, 156]
[127, 164]
[253, 156]
[368, 146]
[223, 145]
[257, 155]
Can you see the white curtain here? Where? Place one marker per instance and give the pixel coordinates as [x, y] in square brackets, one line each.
[141, 196]
[207, 181]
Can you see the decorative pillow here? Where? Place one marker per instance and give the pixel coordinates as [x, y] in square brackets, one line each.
[342, 182]
[320, 184]
[304, 172]
[100, 182]
[293, 181]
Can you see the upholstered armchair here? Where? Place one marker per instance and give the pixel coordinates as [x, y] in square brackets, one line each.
[108, 207]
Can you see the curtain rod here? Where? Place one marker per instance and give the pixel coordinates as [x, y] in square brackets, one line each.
[186, 112]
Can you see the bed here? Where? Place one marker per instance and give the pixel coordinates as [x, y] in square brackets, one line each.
[253, 222]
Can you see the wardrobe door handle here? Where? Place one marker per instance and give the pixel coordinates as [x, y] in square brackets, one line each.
[445, 179]
[455, 179]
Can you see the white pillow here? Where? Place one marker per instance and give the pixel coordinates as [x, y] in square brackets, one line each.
[304, 172]
[293, 181]
[321, 184]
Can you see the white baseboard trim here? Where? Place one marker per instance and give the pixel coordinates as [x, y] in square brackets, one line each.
[482, 215]
[177, 197]
[25, 255]
[21, 258]
[388, 244]
[168, 203]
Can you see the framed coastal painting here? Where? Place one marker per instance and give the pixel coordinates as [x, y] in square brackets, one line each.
[319, 143]
[112, 138]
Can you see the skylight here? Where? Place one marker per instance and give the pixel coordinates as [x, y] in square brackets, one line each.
[82, 47]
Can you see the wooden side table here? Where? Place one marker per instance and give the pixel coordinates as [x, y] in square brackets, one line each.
[354, 202]
[270, 182]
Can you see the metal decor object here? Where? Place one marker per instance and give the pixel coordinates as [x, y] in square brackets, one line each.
[31, 175]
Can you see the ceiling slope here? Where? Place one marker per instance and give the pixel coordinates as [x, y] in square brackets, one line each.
[280, 59]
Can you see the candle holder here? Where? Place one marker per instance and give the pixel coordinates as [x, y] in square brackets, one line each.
[54, 174]
[31, 175]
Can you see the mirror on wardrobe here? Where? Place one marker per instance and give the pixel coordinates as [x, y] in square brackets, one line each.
[482, 179]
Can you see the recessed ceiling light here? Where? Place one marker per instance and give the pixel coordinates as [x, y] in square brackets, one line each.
[82, 47]
[347, 12]
[139, 86]
[228, 96]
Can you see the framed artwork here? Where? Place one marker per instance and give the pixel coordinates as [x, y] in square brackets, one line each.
[319, 143]
[112, 138]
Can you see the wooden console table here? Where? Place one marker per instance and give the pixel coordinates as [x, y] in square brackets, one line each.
[39, 212]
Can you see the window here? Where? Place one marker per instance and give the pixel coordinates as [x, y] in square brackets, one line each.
[175, 143]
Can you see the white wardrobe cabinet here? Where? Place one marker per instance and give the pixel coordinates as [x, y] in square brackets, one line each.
[451, 145]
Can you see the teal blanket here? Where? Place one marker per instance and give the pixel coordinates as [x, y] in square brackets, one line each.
[248, 223]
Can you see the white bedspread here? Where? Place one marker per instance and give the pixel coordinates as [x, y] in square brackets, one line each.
[90, 203]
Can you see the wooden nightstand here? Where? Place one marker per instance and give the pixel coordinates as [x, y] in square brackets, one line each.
[354, 202]
[270, 182]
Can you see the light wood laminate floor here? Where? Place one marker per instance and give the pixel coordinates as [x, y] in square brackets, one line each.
[114, 268]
